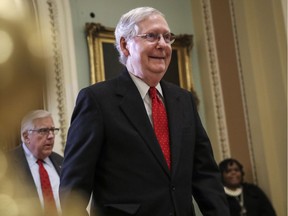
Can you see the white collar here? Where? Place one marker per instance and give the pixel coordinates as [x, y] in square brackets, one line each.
[28, 153]
[143, 87]
[233, 193]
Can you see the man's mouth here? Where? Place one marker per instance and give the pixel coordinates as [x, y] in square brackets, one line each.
[157, 57]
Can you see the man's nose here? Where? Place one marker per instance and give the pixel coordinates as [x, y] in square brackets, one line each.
[51, 133]
[161, 40]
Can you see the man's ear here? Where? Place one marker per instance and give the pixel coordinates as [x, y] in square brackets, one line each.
[26, 137]
[124, 47]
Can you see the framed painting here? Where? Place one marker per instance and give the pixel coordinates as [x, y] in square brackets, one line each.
[104, 63]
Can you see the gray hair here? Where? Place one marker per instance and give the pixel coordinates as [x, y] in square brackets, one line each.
[27, 122]
[127, 26]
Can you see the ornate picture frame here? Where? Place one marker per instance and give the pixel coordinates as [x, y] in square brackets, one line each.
[104, 63]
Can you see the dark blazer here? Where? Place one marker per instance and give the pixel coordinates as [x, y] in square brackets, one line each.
[113, 152]
[19, 173]
[255, 201]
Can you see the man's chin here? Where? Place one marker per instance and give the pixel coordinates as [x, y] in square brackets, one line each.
[47, 150]
[160, 71]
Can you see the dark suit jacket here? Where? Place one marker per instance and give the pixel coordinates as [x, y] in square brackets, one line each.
[255, 201]
[113, 152]
[23, 183]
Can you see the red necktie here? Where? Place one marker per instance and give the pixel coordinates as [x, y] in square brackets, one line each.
[49, 202]
[160, 123]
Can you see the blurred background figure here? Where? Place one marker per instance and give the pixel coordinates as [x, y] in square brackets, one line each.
[245, 199]
[33, 166]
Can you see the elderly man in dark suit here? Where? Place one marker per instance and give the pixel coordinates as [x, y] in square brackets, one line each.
[30, 160]
[125, 150]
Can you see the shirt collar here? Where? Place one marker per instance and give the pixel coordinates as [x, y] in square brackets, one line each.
[28, 153]
[143, 87]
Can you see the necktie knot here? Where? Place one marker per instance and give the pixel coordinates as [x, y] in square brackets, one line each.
[39, 162]
[153, 92]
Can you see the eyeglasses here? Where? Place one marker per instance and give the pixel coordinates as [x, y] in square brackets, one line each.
[168, 37]
[45, 131]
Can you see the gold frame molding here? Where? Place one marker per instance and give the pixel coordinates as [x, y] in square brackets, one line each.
[97, 35]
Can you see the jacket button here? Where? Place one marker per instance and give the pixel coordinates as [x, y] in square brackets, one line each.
[171, 214]
[173, 188]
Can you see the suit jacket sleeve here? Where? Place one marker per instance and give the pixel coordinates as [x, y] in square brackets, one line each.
[85, 129]
[207, 186]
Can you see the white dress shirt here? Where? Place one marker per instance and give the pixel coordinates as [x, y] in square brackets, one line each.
[143, 89]
[53, 175]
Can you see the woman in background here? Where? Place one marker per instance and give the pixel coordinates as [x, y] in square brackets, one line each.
[244, 199]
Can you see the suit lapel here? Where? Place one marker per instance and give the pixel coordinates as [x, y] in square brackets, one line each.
[24, 180]
[20, 162]
[133, 107]
[175, 119]
[55, 162]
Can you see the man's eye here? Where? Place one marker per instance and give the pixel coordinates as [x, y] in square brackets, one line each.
[43, 130]
[167, 37]
[151, 36]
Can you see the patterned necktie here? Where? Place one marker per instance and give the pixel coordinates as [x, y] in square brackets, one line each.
[160, 123]
[49, 201]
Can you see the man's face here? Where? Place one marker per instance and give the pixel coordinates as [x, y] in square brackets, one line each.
[149, 60]
[40, 144]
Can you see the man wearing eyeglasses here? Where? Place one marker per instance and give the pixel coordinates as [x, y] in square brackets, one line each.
[32, 160]
[122, 148]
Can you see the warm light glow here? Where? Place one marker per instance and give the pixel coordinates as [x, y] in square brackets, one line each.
[12, 9]
[35, 46]
[3, 165]
[6, 46]
[8, 207]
